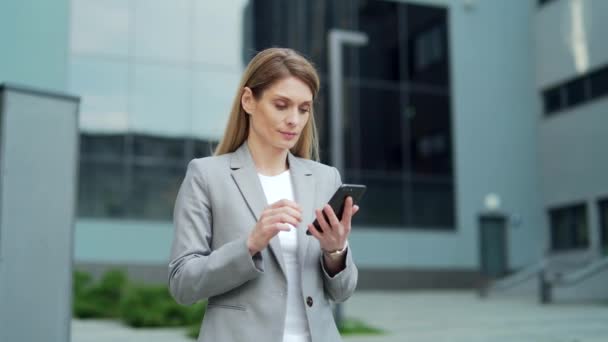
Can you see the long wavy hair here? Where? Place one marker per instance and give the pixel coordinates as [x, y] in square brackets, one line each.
[266, 68]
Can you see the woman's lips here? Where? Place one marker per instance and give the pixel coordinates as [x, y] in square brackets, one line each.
[288, 135]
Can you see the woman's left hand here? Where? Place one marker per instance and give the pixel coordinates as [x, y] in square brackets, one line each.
[335, 232]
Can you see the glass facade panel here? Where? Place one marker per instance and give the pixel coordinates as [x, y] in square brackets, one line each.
[161, 100]
[133, 176]
[100, 27]
[102, 189]
[163, 30]
[213, 92]
[107, 147]
[154, 189]
[103, 87]
[397, 126]
[228, 17]
[158, 149]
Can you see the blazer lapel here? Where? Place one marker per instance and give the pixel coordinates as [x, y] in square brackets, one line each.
[304, 192]
[246, 178]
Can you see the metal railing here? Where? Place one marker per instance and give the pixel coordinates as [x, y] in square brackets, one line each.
[548, 280]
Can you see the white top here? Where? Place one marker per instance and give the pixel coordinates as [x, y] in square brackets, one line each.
[296, 324]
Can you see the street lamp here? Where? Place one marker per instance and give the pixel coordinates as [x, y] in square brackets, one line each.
[336, 39]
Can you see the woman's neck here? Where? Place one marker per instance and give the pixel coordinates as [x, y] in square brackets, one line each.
[268, 160]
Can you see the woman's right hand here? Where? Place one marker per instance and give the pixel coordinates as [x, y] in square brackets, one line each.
[274, 219]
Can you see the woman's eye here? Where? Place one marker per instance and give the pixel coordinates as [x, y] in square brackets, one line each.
[304, 110]
[280, 106]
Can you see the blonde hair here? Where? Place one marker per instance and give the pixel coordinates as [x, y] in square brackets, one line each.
[266, 68]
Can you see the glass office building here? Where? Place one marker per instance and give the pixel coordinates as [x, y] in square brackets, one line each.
[448, 102]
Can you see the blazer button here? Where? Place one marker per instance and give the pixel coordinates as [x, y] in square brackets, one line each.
[309, 301]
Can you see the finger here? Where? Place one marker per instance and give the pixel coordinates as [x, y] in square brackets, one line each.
[284, 218]
[284, 211]
[355, 209]
[283, 227]
[314, 232]
[297, 214]
[285, 203]
[331, 215]
[321, 220]
[348, 211]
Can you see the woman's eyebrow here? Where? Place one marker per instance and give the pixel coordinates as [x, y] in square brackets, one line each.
[285, 98]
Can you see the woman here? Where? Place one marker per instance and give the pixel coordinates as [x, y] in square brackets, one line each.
[241, 217]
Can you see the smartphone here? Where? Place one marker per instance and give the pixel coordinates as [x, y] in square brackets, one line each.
[336, 202]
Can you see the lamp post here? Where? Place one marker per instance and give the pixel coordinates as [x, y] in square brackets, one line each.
[336, 39]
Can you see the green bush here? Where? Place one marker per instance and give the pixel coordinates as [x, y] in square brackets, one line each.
[194, 330]
[357, 327]
[81, 280]
[153, 306]
[101, 300]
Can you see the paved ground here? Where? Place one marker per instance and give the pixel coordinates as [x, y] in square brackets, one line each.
[423, 317]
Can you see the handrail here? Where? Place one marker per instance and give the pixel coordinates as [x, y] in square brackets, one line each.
[579, 275]
[526, 273]
[564, 280]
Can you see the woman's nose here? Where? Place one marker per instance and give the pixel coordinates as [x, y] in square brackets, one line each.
[292, 118]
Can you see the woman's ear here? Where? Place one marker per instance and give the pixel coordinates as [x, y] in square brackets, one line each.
[248, 101]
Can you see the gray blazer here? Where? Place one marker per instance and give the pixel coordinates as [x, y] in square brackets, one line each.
[218, 204]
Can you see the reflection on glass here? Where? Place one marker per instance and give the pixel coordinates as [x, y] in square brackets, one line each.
[213, 93]
[158, 148]
[161, 100]
[101, 189]
[397, 128]
[106, 147]
[430, 133]
[99, 27]
[133, 176]
[162, 30]
[154, 190]
[226, 18]
[203, 148]
[103, 86]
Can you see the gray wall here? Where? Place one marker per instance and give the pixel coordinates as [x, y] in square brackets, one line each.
[574, 160]
[571, 41]
[39, 152]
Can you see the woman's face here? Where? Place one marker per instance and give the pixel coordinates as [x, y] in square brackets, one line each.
[278, 117]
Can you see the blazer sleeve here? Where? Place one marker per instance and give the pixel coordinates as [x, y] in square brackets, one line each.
[196, 271]
[342, 285]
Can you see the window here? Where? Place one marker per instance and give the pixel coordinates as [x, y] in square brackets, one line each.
[603, 209]
[133, 176]
[397, 136]
[599, 83]
[544, 2]
[569, 228]
[428, 48]
[576, 91]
